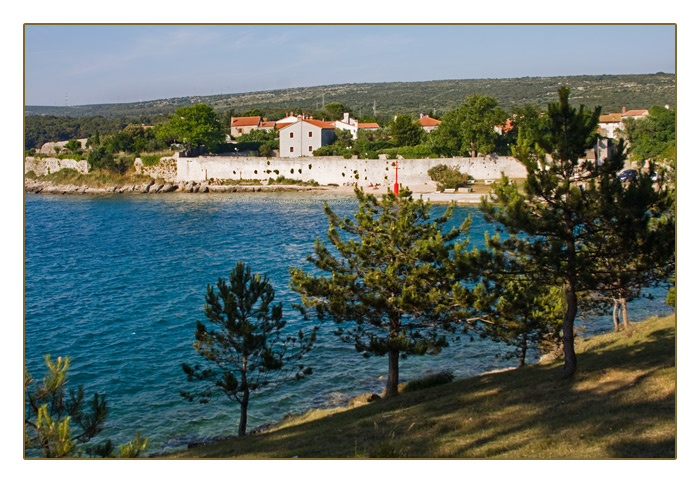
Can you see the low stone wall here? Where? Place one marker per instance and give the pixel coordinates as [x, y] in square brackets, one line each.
[44, 166]
[338, 170]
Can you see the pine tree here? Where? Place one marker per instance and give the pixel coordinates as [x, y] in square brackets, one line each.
[570, 216]
[244, 344]
[50, 412]
[387, 287]
[638, 251]
[520, 312]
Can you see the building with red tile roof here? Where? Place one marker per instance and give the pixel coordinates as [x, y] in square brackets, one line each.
[243, 125]
[428, 123]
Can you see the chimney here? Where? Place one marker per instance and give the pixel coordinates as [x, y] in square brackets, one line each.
[421, 115]
[624, 109]
[346, 117]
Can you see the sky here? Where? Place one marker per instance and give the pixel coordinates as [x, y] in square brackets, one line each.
[94, 64]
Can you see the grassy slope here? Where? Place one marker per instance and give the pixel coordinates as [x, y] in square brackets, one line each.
[620, 404]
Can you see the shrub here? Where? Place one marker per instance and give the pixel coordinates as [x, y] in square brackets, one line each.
[76, 157]
[448, 177]
[150, 159]
[264, 150]
[283, 180]
[431, 380]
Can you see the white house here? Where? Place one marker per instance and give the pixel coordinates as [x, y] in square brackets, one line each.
[348, 123]
[304, 136]
[609, 125]
[243, 125]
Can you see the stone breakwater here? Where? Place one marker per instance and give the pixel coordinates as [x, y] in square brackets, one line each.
[153, 187]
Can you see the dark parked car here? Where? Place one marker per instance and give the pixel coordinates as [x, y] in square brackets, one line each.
[628, 175]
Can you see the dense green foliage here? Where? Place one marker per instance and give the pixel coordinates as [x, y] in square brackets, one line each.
[469, 129]
[652, 137]
[243, 345]
[387, 287]
[405, 131]
[40, 129]
[51, 416]
[194, 126]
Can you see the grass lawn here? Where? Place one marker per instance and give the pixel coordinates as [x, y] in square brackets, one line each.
[620, 404]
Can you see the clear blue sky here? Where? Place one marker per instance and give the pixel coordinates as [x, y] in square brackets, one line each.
[125, 63]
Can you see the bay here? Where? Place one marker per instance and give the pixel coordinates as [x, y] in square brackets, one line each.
[117, 283]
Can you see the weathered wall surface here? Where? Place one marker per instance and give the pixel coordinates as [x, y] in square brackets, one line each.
[338, 170]
[166, 169]
[44, 166]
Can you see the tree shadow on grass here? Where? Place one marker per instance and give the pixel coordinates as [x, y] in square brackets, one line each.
[620, 404]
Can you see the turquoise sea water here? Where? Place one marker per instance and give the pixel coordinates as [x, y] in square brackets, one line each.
[117, 282]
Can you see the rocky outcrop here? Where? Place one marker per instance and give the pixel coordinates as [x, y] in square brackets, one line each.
[152, 187]
[363, 399]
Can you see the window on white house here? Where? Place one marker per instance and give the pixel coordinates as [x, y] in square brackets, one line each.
[311, 134]
[291, 134]
[310, 149]
[291, 149]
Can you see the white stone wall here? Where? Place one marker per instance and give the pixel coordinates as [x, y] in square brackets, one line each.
[165, 169]
[44, 166]
[330, 169]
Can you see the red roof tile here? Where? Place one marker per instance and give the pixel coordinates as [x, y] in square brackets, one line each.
[614, 117]
[245, 121]
[427, 121]
[321, 124]
[368, 125]
[636, 112]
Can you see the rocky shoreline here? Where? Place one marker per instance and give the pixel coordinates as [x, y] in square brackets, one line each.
[426, 192]
[153, 187]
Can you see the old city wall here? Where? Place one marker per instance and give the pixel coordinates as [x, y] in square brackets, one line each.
[338, 170]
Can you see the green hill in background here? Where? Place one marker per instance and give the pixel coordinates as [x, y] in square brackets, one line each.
[609, 91]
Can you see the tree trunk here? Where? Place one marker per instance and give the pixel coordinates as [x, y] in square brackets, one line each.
[568, 331]
[243, 422]
[625, 319]
[392, 382]
[523, 349]
[616, 316]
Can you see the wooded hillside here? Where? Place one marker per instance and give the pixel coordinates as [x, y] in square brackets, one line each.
[611, 92]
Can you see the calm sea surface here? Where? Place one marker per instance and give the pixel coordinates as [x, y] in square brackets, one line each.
[117, 283]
